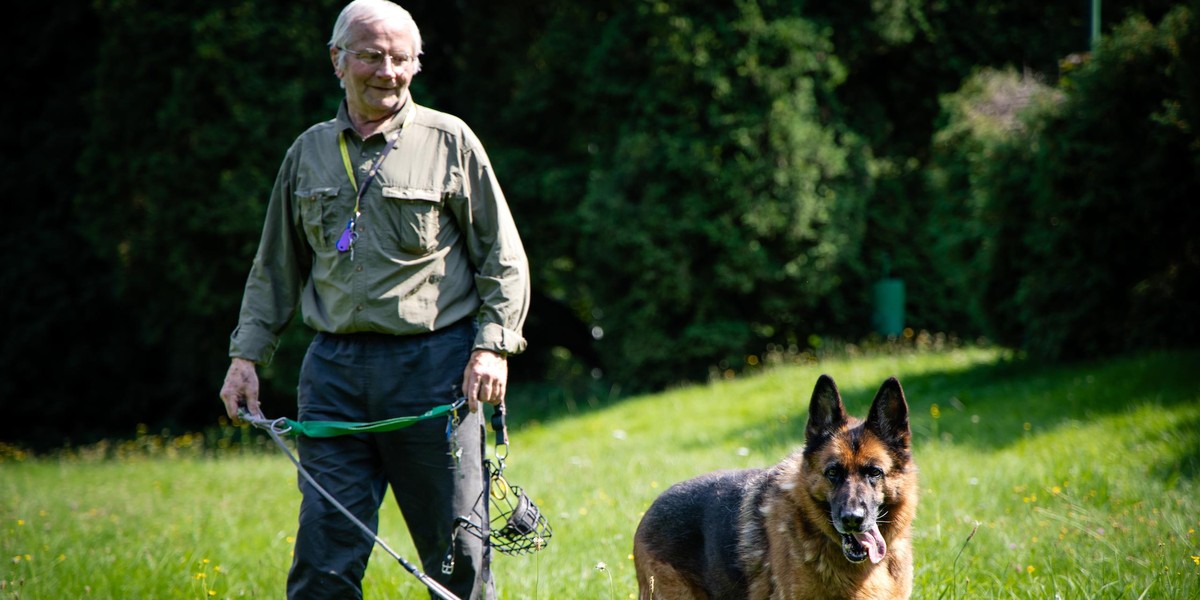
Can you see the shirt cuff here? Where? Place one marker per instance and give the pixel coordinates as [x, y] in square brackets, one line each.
[499, 339]
[251, 344]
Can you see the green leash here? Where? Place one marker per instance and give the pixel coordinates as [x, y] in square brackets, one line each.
[324, 429]
[277, 427]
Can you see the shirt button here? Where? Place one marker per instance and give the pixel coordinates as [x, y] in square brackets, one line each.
[359, 308]
[358, 269]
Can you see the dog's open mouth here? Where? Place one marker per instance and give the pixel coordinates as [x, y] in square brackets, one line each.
[860, 546]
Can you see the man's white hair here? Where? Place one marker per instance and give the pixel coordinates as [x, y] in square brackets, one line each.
[370, 11]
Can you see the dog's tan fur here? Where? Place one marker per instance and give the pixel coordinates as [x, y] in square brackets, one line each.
[784, 545]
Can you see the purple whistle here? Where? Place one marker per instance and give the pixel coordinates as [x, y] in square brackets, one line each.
[347, 239]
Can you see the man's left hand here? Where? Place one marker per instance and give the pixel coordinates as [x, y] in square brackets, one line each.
[485, 379]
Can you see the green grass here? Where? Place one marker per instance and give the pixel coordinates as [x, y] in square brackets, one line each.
[1078, 482]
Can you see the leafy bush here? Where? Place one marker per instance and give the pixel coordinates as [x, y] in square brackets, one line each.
[979, 176]
[1078, 220]
[723, 206]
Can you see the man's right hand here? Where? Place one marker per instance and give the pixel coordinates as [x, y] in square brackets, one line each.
[241, 389]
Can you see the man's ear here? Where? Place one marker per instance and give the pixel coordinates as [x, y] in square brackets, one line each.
[333, 58]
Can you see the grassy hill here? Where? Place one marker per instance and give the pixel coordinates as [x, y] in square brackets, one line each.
[1075, 481]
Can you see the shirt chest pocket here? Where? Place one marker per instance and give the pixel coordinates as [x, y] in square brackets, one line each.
[318, 215]
[413, 219]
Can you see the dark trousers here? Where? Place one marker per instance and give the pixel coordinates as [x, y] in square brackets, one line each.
[368, 377]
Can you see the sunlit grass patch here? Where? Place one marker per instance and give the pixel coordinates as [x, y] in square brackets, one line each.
[1077, 481]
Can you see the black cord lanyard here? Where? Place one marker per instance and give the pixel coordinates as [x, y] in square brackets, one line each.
[345, 243]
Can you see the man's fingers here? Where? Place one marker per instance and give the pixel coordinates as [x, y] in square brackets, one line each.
[484, 379]
[232, 403]
[240, 389]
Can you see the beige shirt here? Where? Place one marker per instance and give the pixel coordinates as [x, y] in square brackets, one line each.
[436, 241]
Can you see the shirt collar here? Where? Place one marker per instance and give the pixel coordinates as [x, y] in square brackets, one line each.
[389, 130]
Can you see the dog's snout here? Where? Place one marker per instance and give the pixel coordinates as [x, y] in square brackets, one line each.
[852, 519]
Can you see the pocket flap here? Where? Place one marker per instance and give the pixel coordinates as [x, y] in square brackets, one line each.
[316, 193]
[412, 194]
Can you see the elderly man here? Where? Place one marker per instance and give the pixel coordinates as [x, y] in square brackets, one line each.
[387, 227]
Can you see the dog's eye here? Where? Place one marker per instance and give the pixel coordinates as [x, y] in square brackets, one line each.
[873, 473]
[834, 474]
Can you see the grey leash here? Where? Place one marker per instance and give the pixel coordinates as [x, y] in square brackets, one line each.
[276, 428]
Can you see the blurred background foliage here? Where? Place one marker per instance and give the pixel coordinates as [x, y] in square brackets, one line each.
[696, 182]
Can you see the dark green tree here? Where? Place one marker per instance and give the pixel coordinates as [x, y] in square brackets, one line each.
[193, 108]
[1080, 212]
[723, 199]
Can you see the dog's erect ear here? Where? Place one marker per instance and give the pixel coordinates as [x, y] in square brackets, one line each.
[825, 413]
[889, 415]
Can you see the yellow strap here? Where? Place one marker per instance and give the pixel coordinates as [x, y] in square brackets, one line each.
[408, 119]
[346, 160]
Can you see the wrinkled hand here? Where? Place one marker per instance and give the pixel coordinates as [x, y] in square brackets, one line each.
[241, 389]
[485, 379]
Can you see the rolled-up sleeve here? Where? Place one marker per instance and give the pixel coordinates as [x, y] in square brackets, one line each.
[276, 277]
[497, 254]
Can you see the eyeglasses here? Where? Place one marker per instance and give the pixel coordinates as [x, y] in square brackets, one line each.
[375, 58]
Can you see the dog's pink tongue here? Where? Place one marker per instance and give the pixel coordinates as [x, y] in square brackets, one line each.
[873, 540]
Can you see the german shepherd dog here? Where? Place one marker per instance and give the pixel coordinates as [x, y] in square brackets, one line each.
[830, 521]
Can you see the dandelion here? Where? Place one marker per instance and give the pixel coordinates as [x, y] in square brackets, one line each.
[600, 566]
[1196, 559]
[1030, 569]
[935, 411]
[1056, 490]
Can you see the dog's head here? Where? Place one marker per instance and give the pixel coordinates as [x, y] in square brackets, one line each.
[859, 471]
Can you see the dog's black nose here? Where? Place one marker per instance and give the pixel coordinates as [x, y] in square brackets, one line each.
[852, 520]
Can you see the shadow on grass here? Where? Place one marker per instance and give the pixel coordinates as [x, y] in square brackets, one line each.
[987, 407]
[993, 406]
[1186, 462]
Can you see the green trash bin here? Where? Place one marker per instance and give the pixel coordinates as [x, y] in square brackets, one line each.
[888, 318]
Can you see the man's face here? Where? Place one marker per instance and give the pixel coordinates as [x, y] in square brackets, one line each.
[376, 88]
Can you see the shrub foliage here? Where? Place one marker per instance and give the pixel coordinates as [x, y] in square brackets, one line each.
[701, 182]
